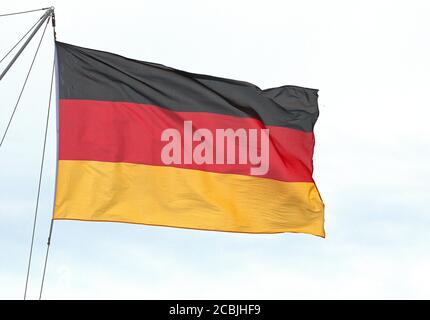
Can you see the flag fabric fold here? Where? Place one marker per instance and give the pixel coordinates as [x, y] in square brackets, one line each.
[144, 143]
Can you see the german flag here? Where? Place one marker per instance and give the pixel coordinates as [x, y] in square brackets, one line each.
[144, 143]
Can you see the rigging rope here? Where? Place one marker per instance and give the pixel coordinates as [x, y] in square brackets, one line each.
[23, 87]
[40, 175]
[21, 12]
[20, 40]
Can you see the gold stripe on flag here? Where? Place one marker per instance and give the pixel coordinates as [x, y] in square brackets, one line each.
[185, 198]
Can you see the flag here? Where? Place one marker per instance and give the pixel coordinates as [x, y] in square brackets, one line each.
[143, 143]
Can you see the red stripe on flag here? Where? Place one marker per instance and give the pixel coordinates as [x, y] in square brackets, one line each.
[129, 132]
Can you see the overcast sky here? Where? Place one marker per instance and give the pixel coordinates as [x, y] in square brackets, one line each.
[370, 60]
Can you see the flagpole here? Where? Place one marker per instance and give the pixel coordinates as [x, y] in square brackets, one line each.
[57, 92]
[46, 258]
[43, 18]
